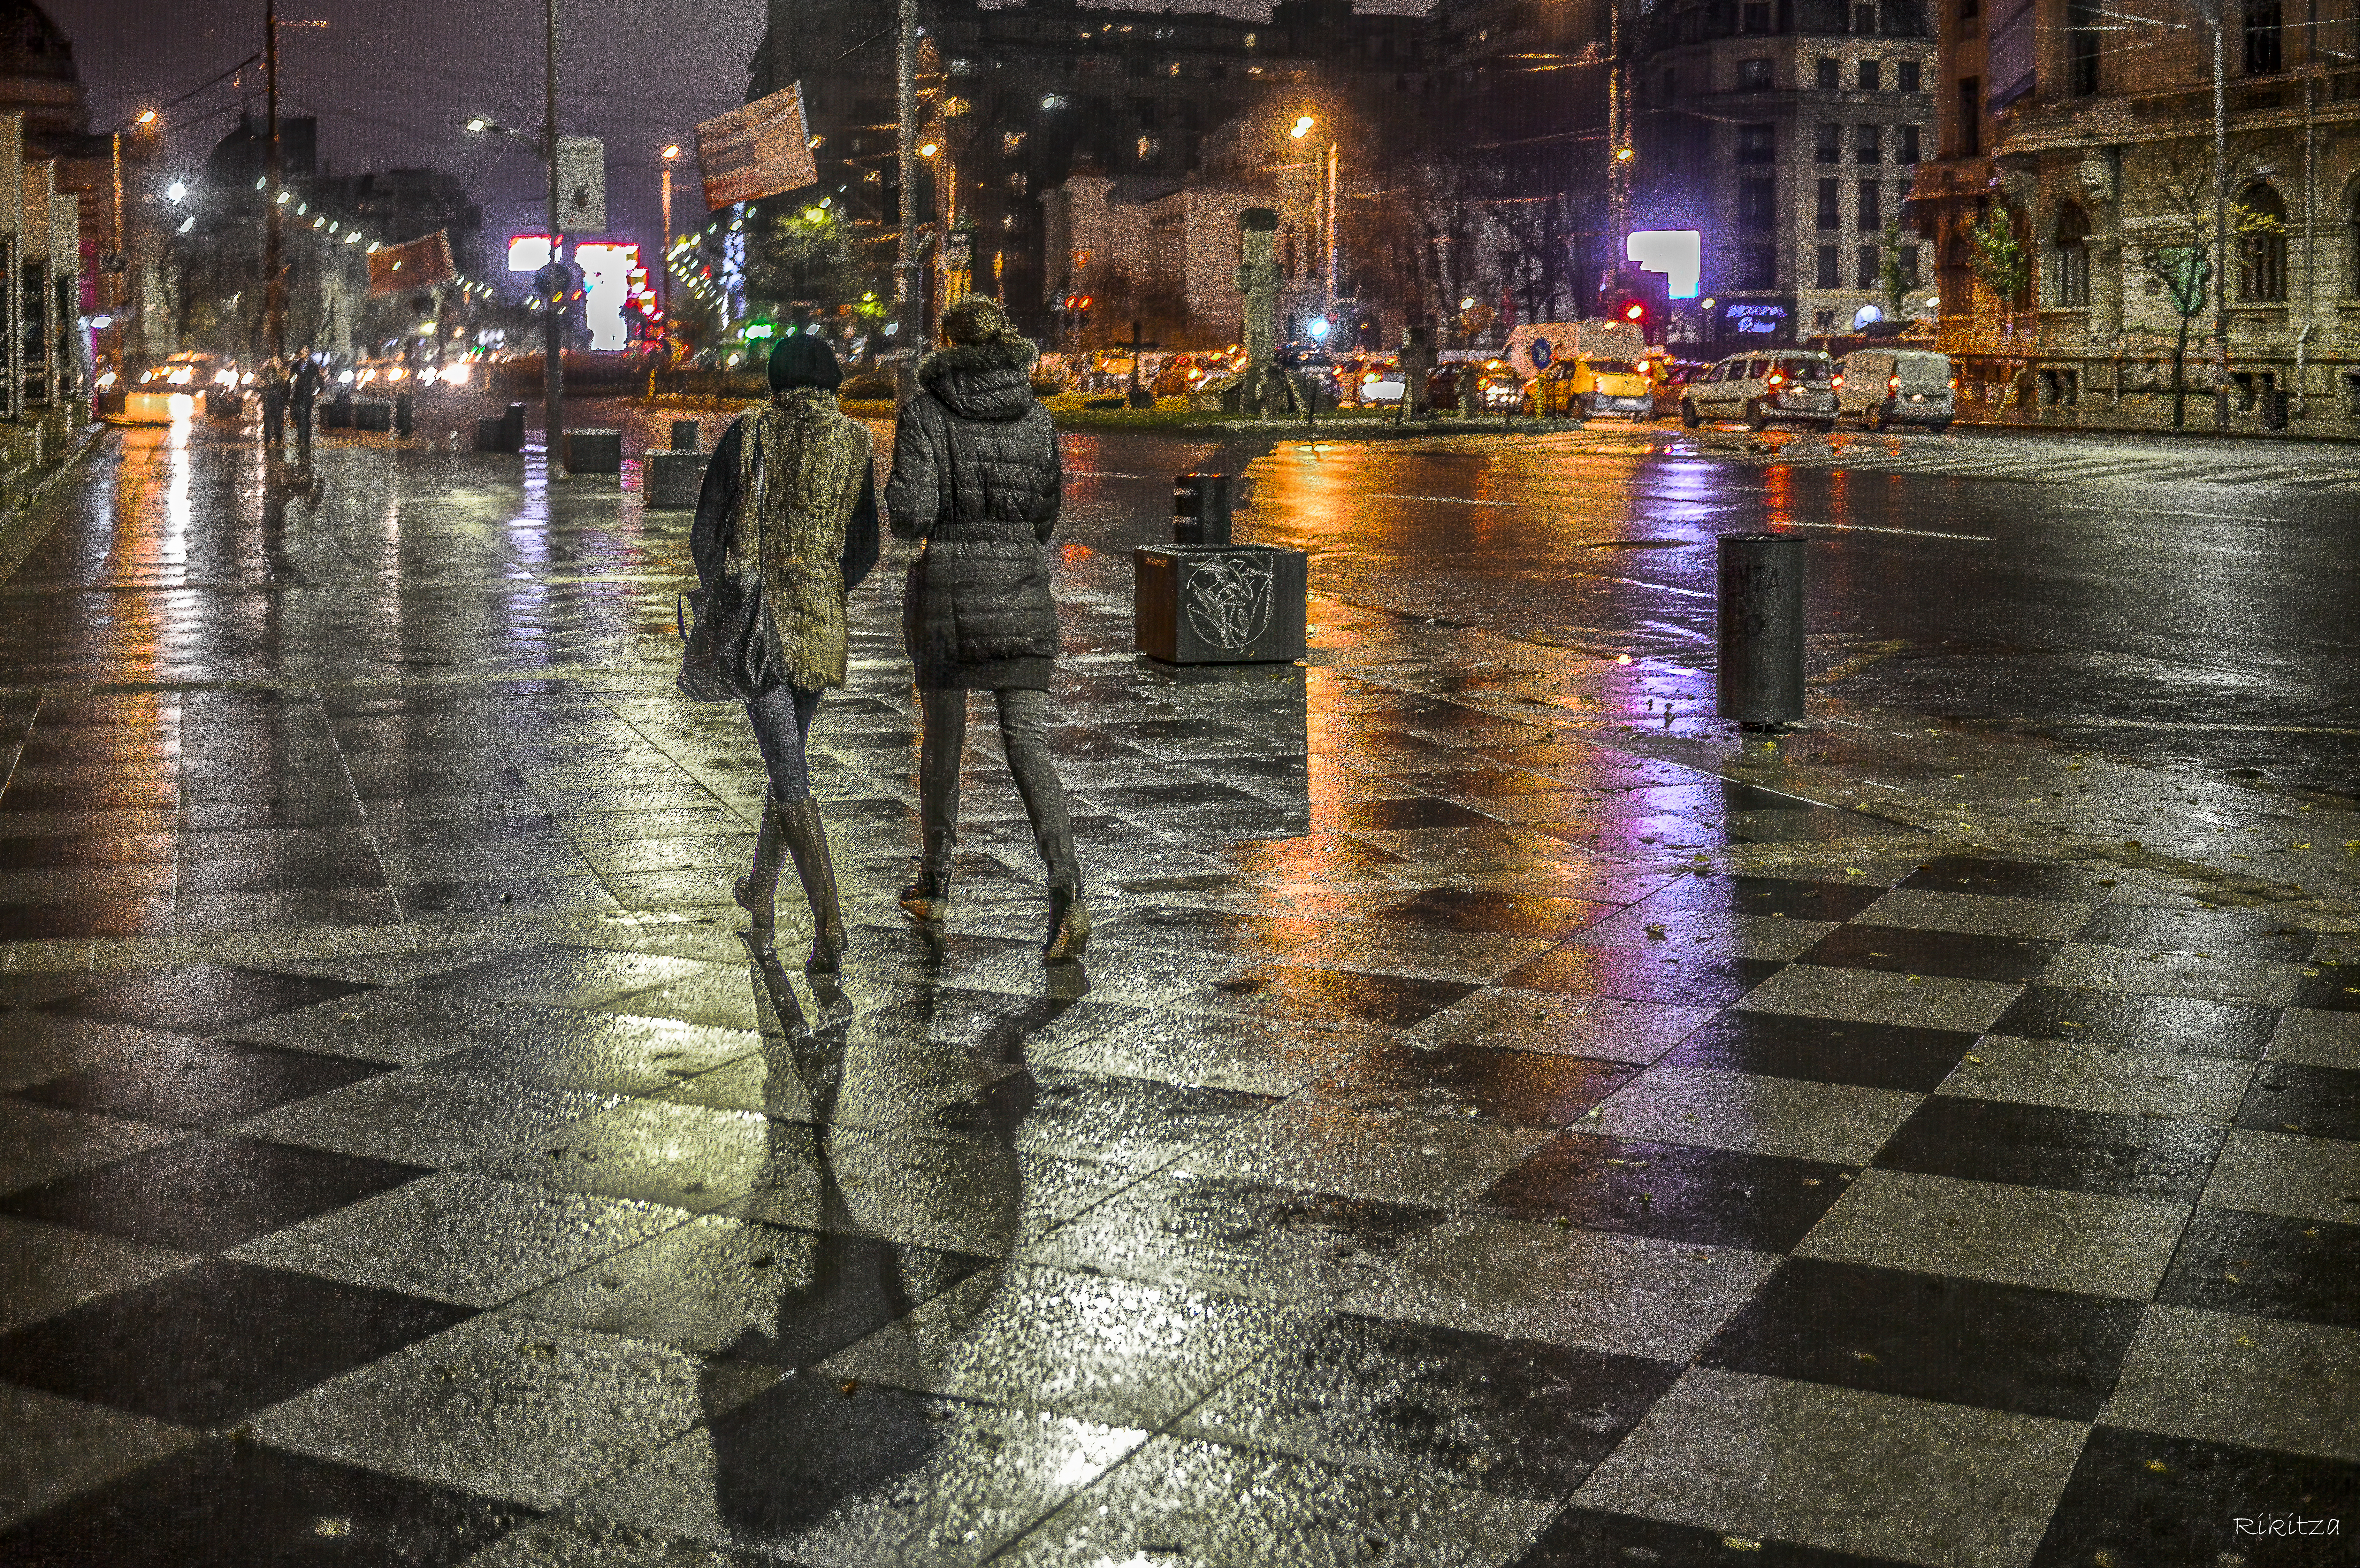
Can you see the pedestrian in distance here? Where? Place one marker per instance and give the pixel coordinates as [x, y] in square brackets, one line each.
[274, 406]
[791, 483]
[976, 478]
[305, 380]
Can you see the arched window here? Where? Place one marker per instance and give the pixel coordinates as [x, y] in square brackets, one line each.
[2352, 244]
[2259, 220]
[2070, 258]
[1289, 272]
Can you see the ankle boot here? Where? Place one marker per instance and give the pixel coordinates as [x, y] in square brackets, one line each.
[1069, 924]
[806, 840]
[756, 892]
[924, 900]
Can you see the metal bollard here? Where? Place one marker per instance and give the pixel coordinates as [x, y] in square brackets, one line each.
[1201, 507]
[683, 435]
[1760, 678]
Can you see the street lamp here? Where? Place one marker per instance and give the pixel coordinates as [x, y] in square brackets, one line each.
[1325, 171]
[550, 278]
[663, 290]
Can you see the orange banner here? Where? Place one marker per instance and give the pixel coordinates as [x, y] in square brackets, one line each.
[417, 264]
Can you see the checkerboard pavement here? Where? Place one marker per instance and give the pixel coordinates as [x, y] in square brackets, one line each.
[1475, 1137]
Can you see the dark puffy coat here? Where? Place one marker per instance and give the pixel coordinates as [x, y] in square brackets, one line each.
[976, 477]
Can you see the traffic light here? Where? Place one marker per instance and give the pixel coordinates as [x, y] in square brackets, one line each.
[1638, 297]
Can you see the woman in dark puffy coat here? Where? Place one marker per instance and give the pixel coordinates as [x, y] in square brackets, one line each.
[976, 475]
[808, 513]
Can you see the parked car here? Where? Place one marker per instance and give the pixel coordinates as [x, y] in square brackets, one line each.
[1594, 387]
[1672, 379]
[186, 375]
[1311, 362]
[1372, 378]
[1797, 385]
[1498, 389]
[1889, 387]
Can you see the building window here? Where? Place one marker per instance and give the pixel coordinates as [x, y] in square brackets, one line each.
[1867, 146]
[1872, 76]
[1909, 144]
[1971, 115]
[2265, 37]
[1757, 144]
[1753, 17]
[1969, 10]
[1757, 203]
[1830, 148]
[1864, 20]
[1753, 75]
[1012, 143]
[1907, 71]
[1287, 264]
[1052, 101]
[1149, 148]
[1757, 266]
[1871, 217]
[1830, 204]
[1830, 76]
[2069, 258]
[2081, 48]
[1010, 223]
[1016, 182]
[2261, 253]
[1910, 265]
[1867, 274]
[1830, 275]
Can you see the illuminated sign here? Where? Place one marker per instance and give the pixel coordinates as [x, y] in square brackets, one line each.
[1754, 321]
[527, 253]
[606, 268]
[1677, 254]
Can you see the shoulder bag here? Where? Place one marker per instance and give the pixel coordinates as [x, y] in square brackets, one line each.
[730, 650]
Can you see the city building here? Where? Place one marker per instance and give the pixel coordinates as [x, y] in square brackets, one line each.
[1785, 131]
[2089, 136]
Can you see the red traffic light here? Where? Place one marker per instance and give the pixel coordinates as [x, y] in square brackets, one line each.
[1635, 312]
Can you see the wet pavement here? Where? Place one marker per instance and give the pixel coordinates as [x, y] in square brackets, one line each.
[1503, 1118]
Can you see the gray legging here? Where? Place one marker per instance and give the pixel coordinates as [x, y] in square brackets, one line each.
[1024, 735]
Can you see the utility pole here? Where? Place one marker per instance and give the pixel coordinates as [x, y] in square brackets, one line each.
[274, 245]
[909, 309]
[1329, 303]
[663, 284]
[553, 327]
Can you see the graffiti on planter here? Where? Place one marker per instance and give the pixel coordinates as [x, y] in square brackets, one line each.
[1229, 599]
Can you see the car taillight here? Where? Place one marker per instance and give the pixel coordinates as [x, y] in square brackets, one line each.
[1892, 383]
[1839, 380]
[1775, 378]
[1954, 384]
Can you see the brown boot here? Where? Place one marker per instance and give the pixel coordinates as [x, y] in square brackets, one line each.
[806, 840]
[1069, 925]
[756, 892]
[925, 899]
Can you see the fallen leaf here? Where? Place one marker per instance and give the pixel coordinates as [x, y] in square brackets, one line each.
[332, 1528]
[1854, 871]
[1970, 1056]
[1740, 1543]
[1862, 1356]
[849, 1388]
[2158, 1466]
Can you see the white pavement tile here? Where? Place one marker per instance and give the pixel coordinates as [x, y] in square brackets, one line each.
[1880, 996]
[2153, 971]
[2078, 1077]
[2313, 1037]
[2253, 1382]
[1600, 1027]
[2288, 1173]
[1840, 1123]
[80, 1446]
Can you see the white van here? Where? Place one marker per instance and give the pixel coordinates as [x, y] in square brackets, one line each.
[1897, 386]
[1570, 340]
[1775, 384]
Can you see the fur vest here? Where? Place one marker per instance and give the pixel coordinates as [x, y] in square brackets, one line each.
[812, 465]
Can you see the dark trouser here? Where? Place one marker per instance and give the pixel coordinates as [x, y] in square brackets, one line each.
[303, 423]
[783, 721]
[1024, 735]
[274, 421]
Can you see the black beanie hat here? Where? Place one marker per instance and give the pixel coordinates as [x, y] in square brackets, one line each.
[801, 361]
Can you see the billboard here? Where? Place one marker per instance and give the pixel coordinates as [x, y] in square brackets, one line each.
[614, 289]
[764, 149]
[1677, 254]
[416, 264]
[527, 253]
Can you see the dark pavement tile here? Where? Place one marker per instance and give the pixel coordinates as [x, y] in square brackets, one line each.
[1294, 991]
[1522, 1088]
[2266, 1265]
[1634, 975]
[2335, 990]
[1398, 816]
[1956, 955]
[96, 917]
[86, 849]
[203, 998]
[2006, 878]
[2136, 1022]
[1672, 1192]
[2139, 1497]
[213, 1343]
[1924, 1336]
[225, 1501]
[1825, 1050]
[2285, 1097]
[204, 1083]
[1589, 1537]
[207, 1192]
[2043, 1145]
[1792, 897]
[2246, 934]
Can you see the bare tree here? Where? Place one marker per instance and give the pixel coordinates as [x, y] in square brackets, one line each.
[2173, 244]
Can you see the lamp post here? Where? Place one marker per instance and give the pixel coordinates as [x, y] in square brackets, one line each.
[908, 309]
[664, 281]
[551, 279]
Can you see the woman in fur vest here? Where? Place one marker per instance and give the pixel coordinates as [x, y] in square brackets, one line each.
[977, 478]
[811, 518]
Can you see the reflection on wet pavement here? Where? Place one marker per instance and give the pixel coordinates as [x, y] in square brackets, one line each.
[1483, 1131]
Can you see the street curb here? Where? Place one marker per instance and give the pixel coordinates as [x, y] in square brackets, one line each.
[20, 533]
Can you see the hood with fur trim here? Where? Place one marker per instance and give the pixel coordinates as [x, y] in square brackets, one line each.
[990, 382]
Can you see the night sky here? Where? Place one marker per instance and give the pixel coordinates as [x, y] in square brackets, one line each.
[392, 82]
